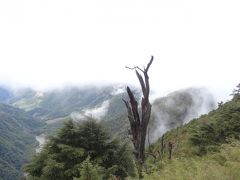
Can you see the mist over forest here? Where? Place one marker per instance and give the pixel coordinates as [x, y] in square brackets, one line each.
[31, 119]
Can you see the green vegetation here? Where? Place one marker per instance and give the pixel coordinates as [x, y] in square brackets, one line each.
[17, 140]
[222, 165]
[89, 171]
[205, 148]
[78, 146]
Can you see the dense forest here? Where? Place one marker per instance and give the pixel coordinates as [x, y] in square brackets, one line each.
[17, 139]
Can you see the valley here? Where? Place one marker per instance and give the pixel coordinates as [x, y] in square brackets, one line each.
[119, 90]
[104, 104]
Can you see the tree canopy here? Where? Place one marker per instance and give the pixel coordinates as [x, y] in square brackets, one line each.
[78, 146]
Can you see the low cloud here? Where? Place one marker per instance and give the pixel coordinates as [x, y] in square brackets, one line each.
[97, 112]
[179, 108]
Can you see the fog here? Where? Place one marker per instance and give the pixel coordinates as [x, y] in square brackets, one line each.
[178, 108]
[49, 44]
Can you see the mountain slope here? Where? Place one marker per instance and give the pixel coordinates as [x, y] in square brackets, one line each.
[17, 130]
[62, 102]
[205, 148]
[178, 108]
[105, 104]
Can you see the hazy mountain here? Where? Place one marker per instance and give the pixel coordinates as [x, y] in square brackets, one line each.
[103, 103]
[26, 99]
[62, 102]
[5, 94]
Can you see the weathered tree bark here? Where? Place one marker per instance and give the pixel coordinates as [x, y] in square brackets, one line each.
[139, 123]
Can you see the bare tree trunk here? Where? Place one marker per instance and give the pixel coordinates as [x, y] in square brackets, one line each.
[162, 146]
[170, 146]
[139, 124]
[149, 143]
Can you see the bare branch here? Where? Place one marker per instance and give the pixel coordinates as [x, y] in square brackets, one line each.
[141, 82]
[134, 68]
[149, 64]
[126, 103]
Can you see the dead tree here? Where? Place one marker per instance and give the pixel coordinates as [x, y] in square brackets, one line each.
[162, 146]
[139, 122]
[170, 147]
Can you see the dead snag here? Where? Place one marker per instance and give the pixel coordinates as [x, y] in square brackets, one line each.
[162, 146]
[170, 147]
[139, 122]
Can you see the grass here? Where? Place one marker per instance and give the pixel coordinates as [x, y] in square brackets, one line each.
[223, 165]
[205, 148]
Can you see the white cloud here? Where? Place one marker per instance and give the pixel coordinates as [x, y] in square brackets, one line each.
[49, 42]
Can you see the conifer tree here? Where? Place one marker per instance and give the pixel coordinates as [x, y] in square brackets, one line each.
[86, 146]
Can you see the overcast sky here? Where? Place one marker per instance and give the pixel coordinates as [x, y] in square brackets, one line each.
[48, 43]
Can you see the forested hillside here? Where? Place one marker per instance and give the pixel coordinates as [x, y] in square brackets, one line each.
[17, 137]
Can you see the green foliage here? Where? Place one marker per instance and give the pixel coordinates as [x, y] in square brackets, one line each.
[88, 171]
[78, 146]
[223, 124]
